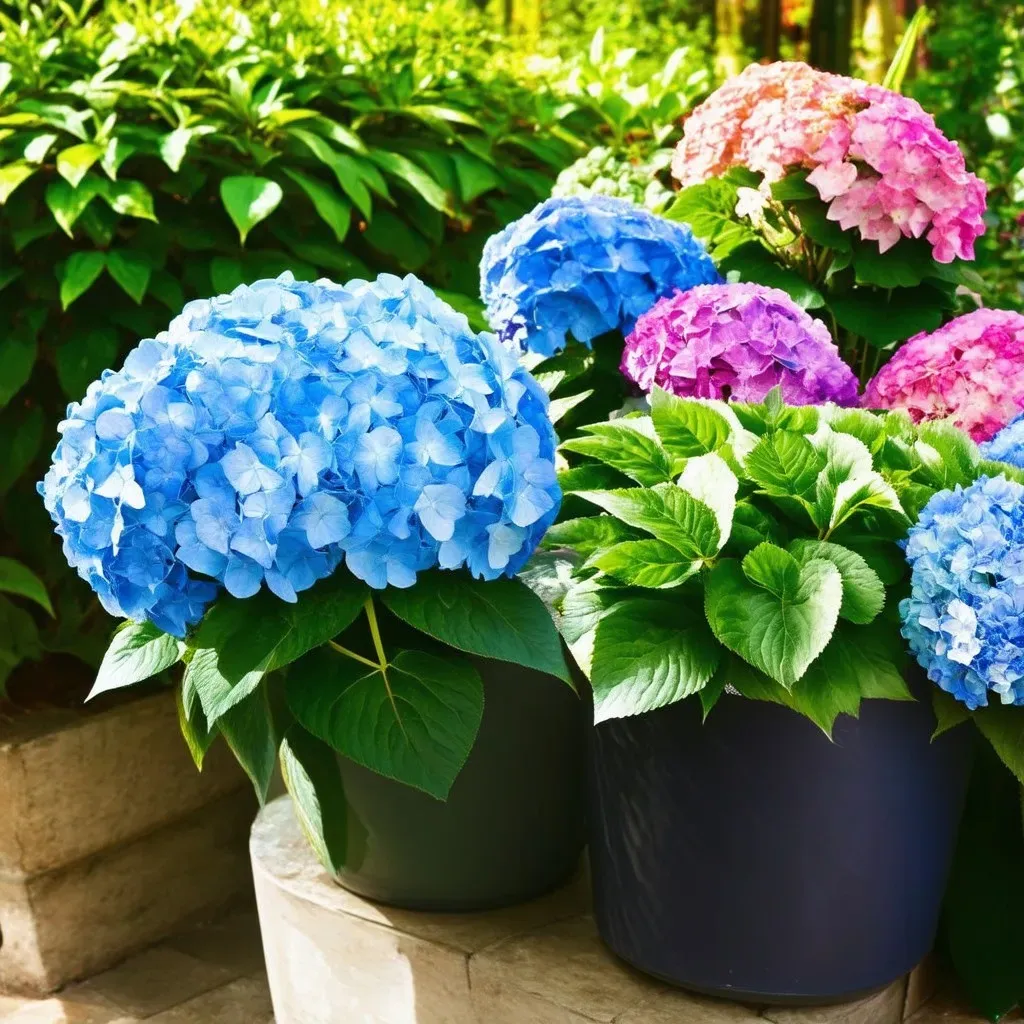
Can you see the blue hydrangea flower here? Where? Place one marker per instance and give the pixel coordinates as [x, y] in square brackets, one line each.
[585, 265]
[270, 434]
[1008, 444]
[965, 616]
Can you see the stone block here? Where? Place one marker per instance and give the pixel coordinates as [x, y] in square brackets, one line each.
[332, 956]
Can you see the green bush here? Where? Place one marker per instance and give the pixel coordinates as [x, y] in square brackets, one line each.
[152, 152]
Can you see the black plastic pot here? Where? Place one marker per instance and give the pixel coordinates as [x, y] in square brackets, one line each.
[751, 858]
[513, 826]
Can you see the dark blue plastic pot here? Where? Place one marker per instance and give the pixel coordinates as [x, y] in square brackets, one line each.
[749, 857]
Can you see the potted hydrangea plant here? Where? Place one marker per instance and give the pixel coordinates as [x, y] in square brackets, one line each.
[772, 818]
[315, 497]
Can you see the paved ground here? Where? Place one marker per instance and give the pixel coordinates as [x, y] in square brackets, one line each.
[214, 975]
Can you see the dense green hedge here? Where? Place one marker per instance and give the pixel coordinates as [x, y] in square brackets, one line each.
[153, 151]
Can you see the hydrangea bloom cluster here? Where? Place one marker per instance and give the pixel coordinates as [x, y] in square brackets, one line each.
[964, 619]
[271, 433]
[606, 172]
[737, 341]
[877, 158]
[971, 370]
[1008, 444]
[584, 266]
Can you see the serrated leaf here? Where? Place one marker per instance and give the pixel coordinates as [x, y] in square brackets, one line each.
[249, 200]
[138, 651]
[1003, 726]
[416, 723]
[587, 535]
[333, 210]
[647, 656]
[248, 728]
[19, 579]
[709, 479]
[784, 463]
[863, 591]
[628, 445]
[687, 427]
[499, 618]
[197, 734]
[310, 772]
[130, 270]
[79, 274]
[773, 612]
[646, 563]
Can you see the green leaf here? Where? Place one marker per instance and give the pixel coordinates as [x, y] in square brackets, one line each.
[197, 734]
[646, 563]
[248, 200]
[628, 445]
[863, 591]
[114, 155]
[587, 535]
[335, 212]
[475, 177]
[949, 712]
[81, 358]
[753, 262]
[415, 724]
[593, 476]
[499, 618]
[73, 163]
[710, 210]
[793, 186]
[79, 274]
[709, 479]
[773, 612]
[345, 168]
[67, 203]
[12, 175]
[390, 234]
[905, 265]
[959, 454]
[173, 146]
[647, 655]
[16, 578]
[904, 55]
[784, 463]
[35, 150]
[882, 320]
[138, 651]
[415, 177]
[310, 772]
[18, 347]
[687, 427]
[1003, 726]
[813, 217]
[666, 512]
[560, 407]
[130, 198]
[130, 270]
[248, 728]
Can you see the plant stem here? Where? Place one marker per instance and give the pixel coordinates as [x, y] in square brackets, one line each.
[353, 655]
[371, 617]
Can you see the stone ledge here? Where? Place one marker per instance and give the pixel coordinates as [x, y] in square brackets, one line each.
[334, 956]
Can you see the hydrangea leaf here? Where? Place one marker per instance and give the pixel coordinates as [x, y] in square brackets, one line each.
[78, 274]
[334, 211]
[500, 619]
[310, 772]
[646, 563]
[248, 728]
[137, 651]
[588, 534]
[687, 427]
[1003, 726]
[415, 722]
[648, 654]
[19, 579]
[628, 445]
[776, 614]
[80, 358]
[248, 200]
[583, 607]
[784, 463]
[863, 591]
[666, 512]
[130, 270]
[197, 734]
[710, 480]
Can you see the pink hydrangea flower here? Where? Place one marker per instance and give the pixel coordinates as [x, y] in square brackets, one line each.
[737, 341]
[971, 370]
[874, 156]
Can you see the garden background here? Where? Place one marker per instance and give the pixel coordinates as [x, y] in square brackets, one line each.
[152, 152]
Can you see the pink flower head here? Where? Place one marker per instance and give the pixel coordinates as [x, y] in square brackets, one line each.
[971, 370]
[874, 156]
[737, 341]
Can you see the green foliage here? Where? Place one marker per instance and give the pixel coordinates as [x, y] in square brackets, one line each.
[153, 152]
[764, 562]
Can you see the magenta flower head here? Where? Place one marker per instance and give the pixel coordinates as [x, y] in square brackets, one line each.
[737, 341]
[971, 370]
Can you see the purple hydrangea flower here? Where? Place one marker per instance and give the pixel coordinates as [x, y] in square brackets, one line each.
[271, 433]
[737, 341]
[584, 266]
[964, 619]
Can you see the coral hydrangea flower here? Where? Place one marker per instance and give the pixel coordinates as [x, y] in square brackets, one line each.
[271, 433]
[877, 158]
[584, 265]
[964, 619]
[1008, 444]
[737, 341]
[970, 370]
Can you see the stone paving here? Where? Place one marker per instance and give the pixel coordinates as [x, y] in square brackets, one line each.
[215, 975]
